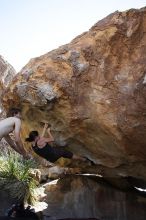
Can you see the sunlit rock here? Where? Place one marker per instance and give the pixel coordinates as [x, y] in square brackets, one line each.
[7, 72]
[92, 92]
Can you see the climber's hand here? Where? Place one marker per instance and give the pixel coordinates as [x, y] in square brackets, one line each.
[46, 125]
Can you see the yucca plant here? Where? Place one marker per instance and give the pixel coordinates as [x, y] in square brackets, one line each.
[15, 177]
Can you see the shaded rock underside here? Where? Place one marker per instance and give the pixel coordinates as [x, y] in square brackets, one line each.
[92, 92]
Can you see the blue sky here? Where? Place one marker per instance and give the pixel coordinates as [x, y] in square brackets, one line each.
[30, 28]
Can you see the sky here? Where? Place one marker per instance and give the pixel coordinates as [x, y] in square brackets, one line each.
[31, 28]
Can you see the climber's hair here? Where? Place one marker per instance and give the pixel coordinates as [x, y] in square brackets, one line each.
[32, 136]
[13, 111]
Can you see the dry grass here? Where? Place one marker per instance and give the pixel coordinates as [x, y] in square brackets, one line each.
[15, 177]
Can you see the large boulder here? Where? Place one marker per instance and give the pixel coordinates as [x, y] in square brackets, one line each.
[92, 91]
[7, 72]
[83, 197]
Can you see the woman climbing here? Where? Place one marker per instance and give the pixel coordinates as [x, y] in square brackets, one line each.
[42, 146]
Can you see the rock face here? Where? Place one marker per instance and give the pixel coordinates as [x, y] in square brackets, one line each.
[92, 91]
[82, 197]
[7, 73]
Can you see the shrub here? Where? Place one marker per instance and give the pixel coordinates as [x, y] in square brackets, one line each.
[15, 178]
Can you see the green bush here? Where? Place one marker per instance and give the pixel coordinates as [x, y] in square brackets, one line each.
[15, 177]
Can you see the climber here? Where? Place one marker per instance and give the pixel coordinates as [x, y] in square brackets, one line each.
[10, 124]
[42, 146]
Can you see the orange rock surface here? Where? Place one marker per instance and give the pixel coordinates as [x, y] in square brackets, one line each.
[91, 91]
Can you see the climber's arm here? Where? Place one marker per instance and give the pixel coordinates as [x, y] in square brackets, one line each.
[18, 140]
[50, 135]
[50, 138]
[11, 143]
[44, 130]
[44, 140]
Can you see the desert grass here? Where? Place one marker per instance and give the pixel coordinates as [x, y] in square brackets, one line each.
[15, 177]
